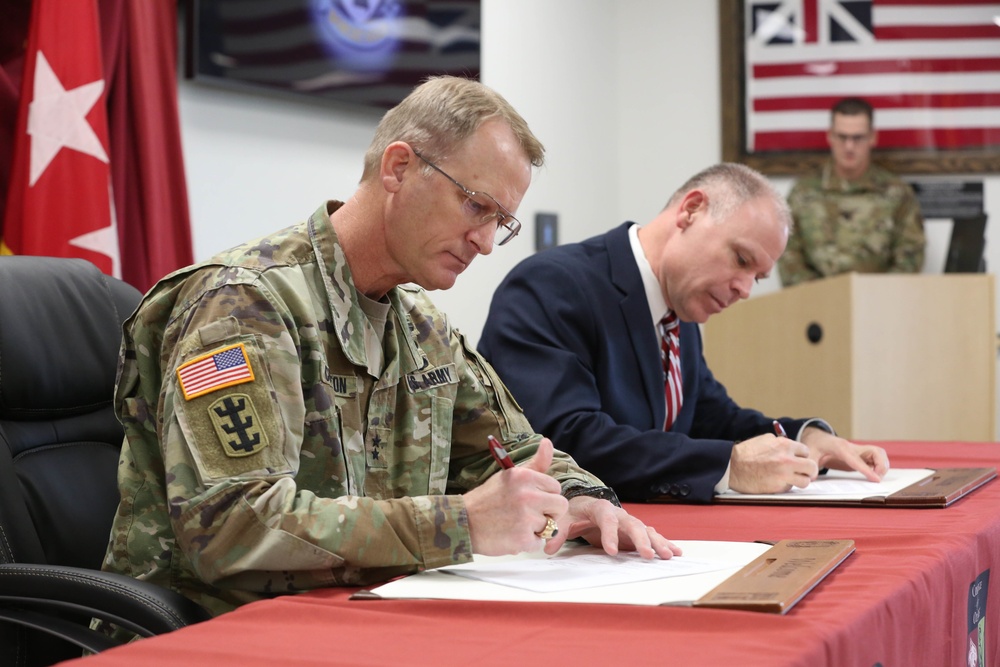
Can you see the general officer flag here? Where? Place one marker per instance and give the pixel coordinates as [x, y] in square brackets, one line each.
[59, 202]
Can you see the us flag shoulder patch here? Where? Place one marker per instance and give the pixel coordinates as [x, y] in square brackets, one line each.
[220, 368]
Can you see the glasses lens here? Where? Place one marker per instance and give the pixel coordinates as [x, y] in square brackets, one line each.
[481, 206]
[507, 230]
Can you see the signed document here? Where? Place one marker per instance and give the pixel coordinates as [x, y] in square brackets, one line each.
[841, 485]
[581, 573]
[581, 567]
[905, 487]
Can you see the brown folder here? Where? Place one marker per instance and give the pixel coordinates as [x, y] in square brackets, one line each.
[941, 489]
[780, 577]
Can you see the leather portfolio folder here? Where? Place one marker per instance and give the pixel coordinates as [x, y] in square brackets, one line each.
[940, 488]
[758, 576]
[779, 578]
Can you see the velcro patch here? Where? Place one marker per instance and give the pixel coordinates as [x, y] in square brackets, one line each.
[432, 377]
[237, 425]
[220, 368]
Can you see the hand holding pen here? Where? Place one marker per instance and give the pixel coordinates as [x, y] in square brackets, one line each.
[770, 463]
[779, 431]
[501, 456]
[499, 508]
[508, 510]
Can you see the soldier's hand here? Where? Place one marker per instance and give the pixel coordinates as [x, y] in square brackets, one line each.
[611, 528]
[507, 511]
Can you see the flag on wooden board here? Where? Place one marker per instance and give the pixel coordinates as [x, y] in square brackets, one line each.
[931, 69]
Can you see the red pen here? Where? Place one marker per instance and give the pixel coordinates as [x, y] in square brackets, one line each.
[779, 430]
[500, 454]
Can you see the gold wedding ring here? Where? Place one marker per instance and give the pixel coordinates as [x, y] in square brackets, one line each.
[550, 530]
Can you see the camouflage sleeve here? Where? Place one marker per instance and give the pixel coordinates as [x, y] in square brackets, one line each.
[908, 252]
[239, 507]
[485, 406]
[792, 265]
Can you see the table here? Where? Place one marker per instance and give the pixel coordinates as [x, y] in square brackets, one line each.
[901, 599]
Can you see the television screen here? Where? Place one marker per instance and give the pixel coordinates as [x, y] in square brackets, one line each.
[361, 52]
[965, 249]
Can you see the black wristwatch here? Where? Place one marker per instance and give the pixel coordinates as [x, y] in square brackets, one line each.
[602, 492]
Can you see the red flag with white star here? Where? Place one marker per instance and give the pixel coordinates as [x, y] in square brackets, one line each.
[59, 203]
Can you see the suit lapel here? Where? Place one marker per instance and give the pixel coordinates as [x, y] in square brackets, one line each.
[636, 318]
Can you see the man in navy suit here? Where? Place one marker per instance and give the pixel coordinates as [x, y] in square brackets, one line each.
[573, 333]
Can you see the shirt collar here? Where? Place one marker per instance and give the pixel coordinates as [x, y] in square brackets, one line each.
[831, 181]
[654, 295]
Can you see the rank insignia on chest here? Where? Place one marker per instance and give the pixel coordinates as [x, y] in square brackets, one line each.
[220, 368]
[237, 425]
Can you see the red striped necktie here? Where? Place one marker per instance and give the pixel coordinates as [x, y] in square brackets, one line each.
[671, 357]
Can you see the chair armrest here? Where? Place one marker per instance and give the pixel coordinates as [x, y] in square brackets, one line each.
[74, 633]
[141, 607]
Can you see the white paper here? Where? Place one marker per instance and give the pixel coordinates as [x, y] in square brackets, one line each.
[841, 485]
[678, 589]
[581, 569]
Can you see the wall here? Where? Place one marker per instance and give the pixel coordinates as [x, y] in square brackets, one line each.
[624, 94]
[258, 163]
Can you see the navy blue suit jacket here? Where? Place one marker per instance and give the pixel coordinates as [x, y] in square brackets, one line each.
[571, 335]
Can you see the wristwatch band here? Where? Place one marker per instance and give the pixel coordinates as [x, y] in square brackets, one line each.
[602, 492]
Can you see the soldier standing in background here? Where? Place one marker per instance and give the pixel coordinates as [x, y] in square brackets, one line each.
[852, 215]
[296, 417]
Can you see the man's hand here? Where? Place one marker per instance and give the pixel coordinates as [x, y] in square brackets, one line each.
[513, 505]
[831, 451]
[612, 528]
[770, 464]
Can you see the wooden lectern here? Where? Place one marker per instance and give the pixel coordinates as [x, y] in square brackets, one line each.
[879, 356]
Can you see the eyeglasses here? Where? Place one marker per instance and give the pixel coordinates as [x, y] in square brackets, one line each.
[507, 225]
[851, 138]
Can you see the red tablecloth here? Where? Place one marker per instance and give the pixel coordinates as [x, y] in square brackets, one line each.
[902, 599]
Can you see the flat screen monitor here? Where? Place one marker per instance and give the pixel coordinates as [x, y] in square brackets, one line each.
[364, 53]
[965, 249]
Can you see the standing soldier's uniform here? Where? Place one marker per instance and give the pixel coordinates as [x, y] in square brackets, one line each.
[871, 225]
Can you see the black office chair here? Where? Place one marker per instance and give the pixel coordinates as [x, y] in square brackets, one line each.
[60, 330]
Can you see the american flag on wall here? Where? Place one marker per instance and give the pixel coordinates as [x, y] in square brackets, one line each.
[931, 69]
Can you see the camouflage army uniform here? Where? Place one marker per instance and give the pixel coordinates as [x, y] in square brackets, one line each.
[318, 455]
[871, 225]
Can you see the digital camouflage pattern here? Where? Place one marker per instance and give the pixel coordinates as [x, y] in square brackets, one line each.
[871, 225]
[340, 461]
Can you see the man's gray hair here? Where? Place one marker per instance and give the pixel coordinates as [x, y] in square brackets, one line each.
[440, 114]
[730, 185]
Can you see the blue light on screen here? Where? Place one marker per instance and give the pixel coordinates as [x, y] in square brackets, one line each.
[361, 35]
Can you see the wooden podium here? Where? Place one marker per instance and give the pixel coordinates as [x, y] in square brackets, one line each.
[879, 356]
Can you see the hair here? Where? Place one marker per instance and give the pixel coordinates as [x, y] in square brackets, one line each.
[853, 106]
[730, 185]
[443, 112]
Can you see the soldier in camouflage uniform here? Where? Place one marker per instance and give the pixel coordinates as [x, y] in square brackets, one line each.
[297, 418]
[852, 215]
